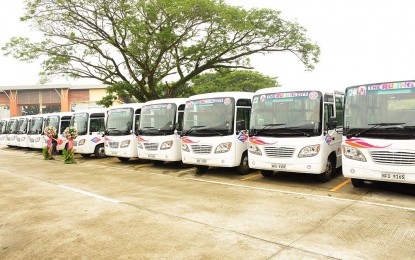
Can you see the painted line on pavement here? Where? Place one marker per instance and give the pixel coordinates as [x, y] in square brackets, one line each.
[341, 185]
[89, 194]
[251, 177]
[302, 194]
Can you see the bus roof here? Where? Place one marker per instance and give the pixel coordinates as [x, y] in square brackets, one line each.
[129, 105]
[286, 89]
[177, 101]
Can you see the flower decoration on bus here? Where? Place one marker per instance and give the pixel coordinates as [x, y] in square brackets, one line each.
[50, 131]
[360, 143]
[259, 141]
[187, 140]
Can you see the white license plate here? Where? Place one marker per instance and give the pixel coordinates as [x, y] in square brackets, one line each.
[201, 161]
[278, 166]
[393, 176]
[113, 152]
[152, 156]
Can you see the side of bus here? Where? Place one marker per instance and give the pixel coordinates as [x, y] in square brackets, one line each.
[3, 131]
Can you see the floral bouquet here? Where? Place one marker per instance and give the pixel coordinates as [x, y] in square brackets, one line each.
[68, 154]
[70, 132]
[50, 131]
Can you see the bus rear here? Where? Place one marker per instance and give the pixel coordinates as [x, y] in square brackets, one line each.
[379, 135]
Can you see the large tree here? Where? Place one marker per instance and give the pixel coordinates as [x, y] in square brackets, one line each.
[240, 80]
[148, 49]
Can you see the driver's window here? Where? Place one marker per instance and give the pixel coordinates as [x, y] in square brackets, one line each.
[242, 118]
[328, 112]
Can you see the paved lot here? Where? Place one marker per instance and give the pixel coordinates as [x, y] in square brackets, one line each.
[108, 209]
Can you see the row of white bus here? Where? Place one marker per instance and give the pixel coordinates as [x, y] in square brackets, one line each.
[368, 130]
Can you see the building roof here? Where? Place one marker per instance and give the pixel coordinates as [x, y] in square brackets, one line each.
[52, 86]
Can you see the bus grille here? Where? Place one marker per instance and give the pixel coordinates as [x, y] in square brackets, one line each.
[279, 152]
[202, 149]
[113, 144]
[393, 158]
[151, 146]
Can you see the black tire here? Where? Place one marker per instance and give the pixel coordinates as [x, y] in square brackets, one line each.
[123, 159]
[358, 183]
[243, 167]
[158, 163]
[201, 168]
[267, 173]
[100, 151]
[85, 155]
[329, 172]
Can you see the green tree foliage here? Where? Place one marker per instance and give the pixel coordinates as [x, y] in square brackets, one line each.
[148, 49]
[240, 80]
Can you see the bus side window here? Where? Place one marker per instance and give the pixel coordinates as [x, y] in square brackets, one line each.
[339, 111]
[242, 118]
[180, 121]
[97, 125]
[328, 112]
[137, 122]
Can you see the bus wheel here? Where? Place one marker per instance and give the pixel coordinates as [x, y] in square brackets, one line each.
[123, 159]
[158, 163]
[201, 168]
[266, 173]
[358, 183]
[99, 151]
[330, 168]
[243, 168]
[85, 155]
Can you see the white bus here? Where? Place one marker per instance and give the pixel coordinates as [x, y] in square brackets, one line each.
[290, 132]
[120, 138]
[11, 132]
[36, 126]
[158, 137]
[91, 126]
[22, 139]
[59, 120]
[215, 130]
[3, 131]
[379, 134]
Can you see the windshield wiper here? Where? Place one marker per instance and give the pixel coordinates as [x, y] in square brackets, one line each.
[213, 131]
[256, 132]
[296, 130]
[145, 129]
[193, 128]
[376, 125]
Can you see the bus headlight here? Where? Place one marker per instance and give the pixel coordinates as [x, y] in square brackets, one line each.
[223, 148]
[125, 143]
[185, 147]
[166, 145]
[309, 151]
[37, 139]
[254, 149]
[353, 153]
[81, 142]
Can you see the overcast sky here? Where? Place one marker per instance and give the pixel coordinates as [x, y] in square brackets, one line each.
[361, 41]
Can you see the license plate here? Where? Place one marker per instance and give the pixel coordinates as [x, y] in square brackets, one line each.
[113, 152]
[278, 166]
[201, 161]
[393, 176]
[153, 156]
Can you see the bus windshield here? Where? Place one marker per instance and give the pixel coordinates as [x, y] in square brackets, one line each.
[22, 126]
[287, 114]
[158, 119]
[36, 125]
[211, 116]
[120, 121]
[12, 126]
[80, 122]
[3, 127]
[382, 110]
[52, 121]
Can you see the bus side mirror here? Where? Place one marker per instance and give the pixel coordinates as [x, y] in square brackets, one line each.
[332, 123]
